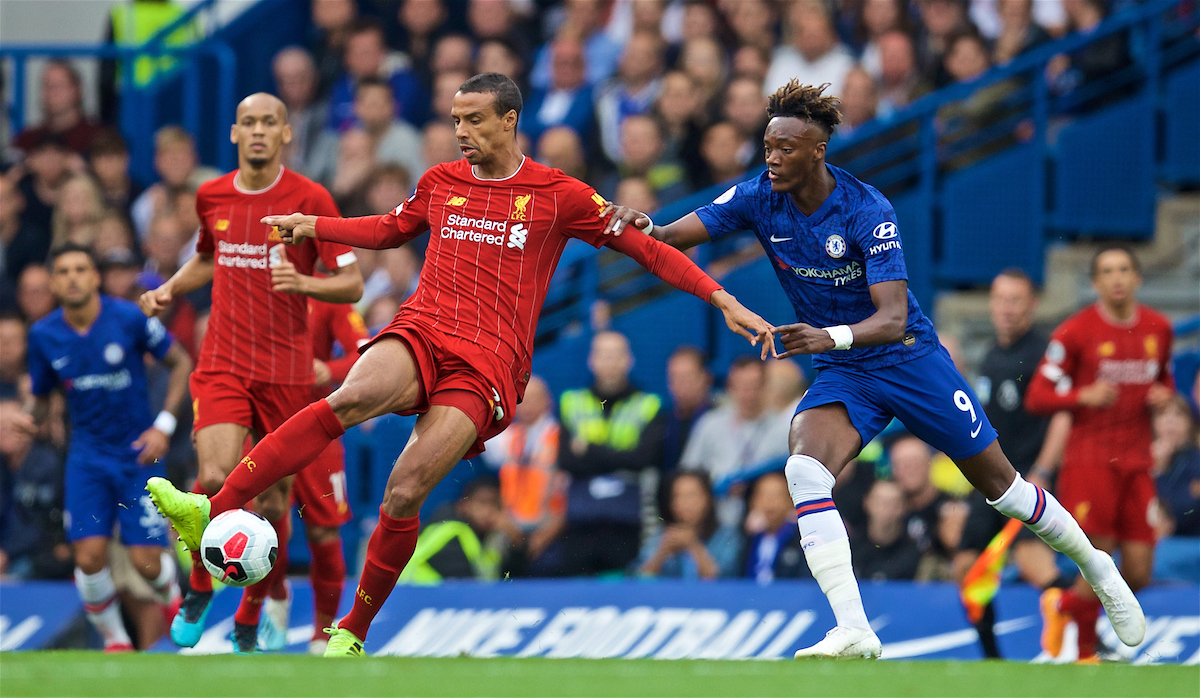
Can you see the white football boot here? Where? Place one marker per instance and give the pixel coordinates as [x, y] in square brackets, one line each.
[844, 643]
[1124, 611]
[273, 629]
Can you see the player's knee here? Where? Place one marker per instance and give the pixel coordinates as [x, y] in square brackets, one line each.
[147, 561]
[211, 482]
[91, 560]
[807, 478]
[403, 499]
[319, 535]
[272, 509]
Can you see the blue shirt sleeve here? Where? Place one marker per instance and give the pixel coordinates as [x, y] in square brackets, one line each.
[153, 336]
[43, 375]
[730, 212]
[876, 235]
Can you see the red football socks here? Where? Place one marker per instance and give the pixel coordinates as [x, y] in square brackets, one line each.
[328, 574]
[1085, 612]
[391, 546]
[199, 578]
[250, 608]
[283, 452]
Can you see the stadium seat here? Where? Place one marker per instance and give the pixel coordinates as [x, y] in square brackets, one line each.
[1181, 127]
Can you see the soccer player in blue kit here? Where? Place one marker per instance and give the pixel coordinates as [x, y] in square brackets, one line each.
[94, 346]
[836, 249]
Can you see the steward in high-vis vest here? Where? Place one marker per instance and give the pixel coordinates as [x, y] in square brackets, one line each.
[466, 539]
[612, 436]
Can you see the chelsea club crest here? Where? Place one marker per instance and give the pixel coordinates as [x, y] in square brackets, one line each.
[835, 246]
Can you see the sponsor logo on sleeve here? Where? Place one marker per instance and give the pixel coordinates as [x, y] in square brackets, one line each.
[727, 196]
[600, 202]
[885, 231]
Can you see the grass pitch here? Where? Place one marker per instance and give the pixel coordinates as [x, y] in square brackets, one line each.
[95, 674]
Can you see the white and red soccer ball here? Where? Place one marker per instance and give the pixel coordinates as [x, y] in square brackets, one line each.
[239, 547]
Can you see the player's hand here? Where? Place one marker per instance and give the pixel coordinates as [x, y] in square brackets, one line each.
[802, 338]
[1098, 394]
[155, 301]
[294, 227]
[152, 445]
[1158, 395]
[321, 372]
[285, 279]
[621, 216]
[740, 320]
[24, 423]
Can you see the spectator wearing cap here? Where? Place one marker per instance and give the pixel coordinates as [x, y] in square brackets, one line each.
[179, 170]
[367, 56]
[296, 83]
[21, 244]
[109, 163]
[568, 99]
[632, 91]
[885, 550]
[62, 111]
[814, 55]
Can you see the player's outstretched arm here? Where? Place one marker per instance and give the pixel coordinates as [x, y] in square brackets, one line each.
[675, 268]
[368, 232]
[685, 233]
[194, 273]
[885, 326]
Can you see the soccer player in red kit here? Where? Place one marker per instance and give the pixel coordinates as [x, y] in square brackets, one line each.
[1109, 365]
[255, 368]
[459, 351]
[320, 488]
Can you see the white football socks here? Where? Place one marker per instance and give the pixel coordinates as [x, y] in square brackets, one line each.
[165, 584]
[823, 539]
[1043, 514]
[102, 605]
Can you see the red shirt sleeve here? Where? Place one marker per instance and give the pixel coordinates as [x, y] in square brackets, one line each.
[665, 262]
[584, 205]
[204, 243]
[351, 333]
[1053, 386]
[406, 222]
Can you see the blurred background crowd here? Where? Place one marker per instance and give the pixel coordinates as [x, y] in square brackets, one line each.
[648, 101]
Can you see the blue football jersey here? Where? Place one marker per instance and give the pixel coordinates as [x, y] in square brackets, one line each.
[102, 371]
[826, 262]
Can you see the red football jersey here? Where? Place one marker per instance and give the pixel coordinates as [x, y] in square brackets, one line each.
[1090, 347]
[335, 322]
[493, 248]
[253, 331]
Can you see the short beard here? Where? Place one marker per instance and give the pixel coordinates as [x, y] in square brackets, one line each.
[257, 161]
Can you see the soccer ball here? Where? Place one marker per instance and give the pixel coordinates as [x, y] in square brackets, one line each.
[239, 547]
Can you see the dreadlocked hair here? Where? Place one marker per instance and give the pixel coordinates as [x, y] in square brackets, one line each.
[806, 102]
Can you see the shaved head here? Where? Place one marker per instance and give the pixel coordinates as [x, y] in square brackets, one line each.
[263, 102]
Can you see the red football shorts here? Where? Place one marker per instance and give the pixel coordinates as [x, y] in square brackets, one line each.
[457, 373]
[1110, 502]
[223, 398]
[320, 489]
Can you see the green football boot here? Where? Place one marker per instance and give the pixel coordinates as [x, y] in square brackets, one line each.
[343, 643]
[187, 512]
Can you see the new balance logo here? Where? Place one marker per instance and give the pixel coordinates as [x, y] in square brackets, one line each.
[516, 236]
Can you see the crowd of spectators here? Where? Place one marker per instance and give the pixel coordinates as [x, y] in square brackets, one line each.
[649, 101]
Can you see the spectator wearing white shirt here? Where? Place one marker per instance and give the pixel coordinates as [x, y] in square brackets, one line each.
[815, 56]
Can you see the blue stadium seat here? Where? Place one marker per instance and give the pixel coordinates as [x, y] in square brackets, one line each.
[987, 222]
[916, 232]
[655, 329]
[1107, 190]
[1181, 127]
